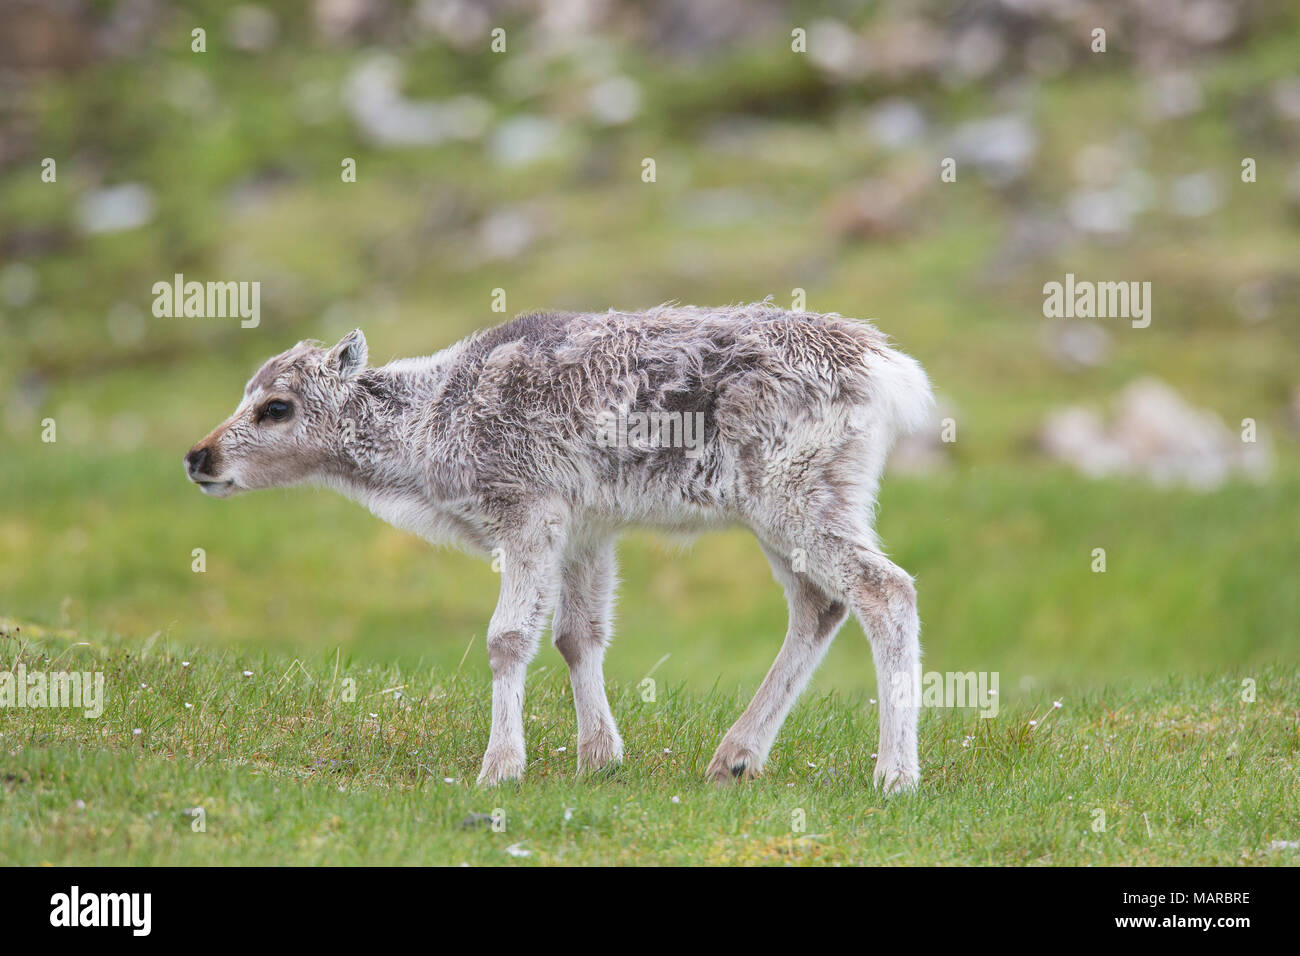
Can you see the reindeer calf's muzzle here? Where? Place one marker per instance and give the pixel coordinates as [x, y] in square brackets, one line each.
[196, 461]
[201, 466]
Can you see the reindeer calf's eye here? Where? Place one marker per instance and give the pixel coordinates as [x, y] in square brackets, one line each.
[277, 411]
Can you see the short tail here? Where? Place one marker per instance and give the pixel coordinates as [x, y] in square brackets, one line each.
[903, 392]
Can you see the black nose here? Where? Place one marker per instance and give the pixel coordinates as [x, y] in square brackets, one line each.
[196, 462]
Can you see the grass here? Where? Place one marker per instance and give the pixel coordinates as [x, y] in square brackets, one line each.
[98, 529]
[287, 770]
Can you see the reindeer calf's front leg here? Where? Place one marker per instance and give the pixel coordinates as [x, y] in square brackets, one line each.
[509, 653]
[528, 583]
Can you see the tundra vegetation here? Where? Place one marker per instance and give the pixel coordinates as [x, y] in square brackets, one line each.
[211, 755]
[770, 170]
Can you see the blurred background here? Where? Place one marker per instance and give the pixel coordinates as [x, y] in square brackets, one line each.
[776, 169]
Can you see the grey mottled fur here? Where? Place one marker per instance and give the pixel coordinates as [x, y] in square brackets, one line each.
[493, 443]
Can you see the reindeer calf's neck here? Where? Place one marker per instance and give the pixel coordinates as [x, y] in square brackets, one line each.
[385, 437]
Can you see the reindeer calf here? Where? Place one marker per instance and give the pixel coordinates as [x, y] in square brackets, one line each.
[515, 442]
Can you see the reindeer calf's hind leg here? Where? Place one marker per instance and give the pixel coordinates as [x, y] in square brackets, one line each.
[815, 617]
[581, 628]
[884, 598]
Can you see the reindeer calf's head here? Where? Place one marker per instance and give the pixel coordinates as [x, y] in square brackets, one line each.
[288, 428]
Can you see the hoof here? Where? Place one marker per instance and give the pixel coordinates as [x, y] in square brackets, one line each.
[500, 767]
[731, 764]
[604, 751]
[896, 780]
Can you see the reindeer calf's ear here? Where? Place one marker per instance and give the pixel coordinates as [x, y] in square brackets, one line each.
[349, 356]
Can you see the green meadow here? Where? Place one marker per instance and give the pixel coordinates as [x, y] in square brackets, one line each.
[111, 561]
[206, 756]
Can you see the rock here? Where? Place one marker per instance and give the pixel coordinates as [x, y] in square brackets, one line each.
[977, 53]
[1078, 437]
[836, 49]
[372, 96]
[1101, 212]
[896, 123]
[462, 24]
[614, 100]
[1114, 190]
[1000, 147]
[1158, 436]
[115, 208]
[561, 23]
[522, 140]
[1207, 22]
